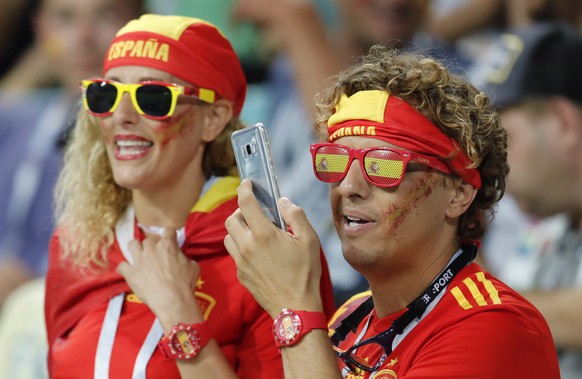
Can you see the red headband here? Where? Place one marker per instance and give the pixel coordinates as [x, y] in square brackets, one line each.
[188, 48]
[376, 114]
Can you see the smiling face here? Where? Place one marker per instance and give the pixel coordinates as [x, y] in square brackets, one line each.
[384, 229]
[150, 155]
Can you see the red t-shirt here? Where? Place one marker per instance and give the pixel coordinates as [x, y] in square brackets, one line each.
[239, 325]
[480, 328]
[77, 302]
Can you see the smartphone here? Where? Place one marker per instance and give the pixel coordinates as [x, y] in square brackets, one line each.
[254, 161]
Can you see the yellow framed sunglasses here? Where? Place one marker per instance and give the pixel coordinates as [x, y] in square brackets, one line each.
[153, 99]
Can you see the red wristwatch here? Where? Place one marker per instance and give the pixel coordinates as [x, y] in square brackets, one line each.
[290, 326]
[185, 340]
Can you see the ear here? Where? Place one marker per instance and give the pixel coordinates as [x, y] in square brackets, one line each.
[218, 115]
[461, 198]
[569, 118]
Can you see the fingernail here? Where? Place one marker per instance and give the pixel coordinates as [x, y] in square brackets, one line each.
[285, 202]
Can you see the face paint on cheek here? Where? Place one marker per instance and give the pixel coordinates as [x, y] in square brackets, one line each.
[426, 184]
[422, 188]
[396, 214]
[174, 127]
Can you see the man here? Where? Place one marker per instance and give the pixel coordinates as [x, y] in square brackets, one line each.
[535, 80]
[307, 56]
[416, 159]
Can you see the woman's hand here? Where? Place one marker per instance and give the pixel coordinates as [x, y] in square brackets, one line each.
[280, 269]
[162, 276]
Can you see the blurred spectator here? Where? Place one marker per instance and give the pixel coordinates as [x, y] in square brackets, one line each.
[71, 38]
[317, 50]
[472, 25]
[15, 31]
[514, 238]
[37, 100]
[521, 13]
[22, 319]
[533, 75]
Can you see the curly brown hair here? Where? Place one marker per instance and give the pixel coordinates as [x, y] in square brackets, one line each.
[449, 101]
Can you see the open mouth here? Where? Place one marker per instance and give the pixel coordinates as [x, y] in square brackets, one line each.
[354, 222]
[132, 148]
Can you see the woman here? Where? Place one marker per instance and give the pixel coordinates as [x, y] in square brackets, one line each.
[148, 175]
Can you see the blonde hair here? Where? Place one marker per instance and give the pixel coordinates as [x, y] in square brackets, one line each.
[449, 101]
[88, 202]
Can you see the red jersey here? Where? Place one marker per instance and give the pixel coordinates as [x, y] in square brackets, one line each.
[98, 328]
[480, 328]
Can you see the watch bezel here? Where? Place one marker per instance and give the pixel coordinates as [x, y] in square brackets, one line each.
[176, 347]
[296, 324]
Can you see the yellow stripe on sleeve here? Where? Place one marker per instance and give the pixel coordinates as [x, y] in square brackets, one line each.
[489, 287]
[461, 298]
[477, 295]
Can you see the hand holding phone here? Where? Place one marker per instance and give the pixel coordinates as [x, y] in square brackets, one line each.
[254, 161]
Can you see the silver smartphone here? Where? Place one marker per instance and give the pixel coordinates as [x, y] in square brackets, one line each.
[254, 161]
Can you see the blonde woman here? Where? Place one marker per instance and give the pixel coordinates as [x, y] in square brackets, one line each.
[140, 284]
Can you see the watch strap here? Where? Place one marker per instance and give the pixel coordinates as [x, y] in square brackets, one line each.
[313, 320]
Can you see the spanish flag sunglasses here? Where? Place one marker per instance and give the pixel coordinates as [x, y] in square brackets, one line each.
[382, 166]
[153, 99]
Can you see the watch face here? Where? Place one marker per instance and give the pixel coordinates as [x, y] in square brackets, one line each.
[287, 327]
[186, 342]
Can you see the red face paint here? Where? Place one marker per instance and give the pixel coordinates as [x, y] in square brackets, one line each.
[174, 127]
[421, 189]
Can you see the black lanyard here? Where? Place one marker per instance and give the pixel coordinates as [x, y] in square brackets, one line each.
[415, 308]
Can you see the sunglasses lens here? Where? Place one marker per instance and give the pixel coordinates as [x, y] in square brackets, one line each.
[101, 97]
[330, 163]
[384, 167]
[154, 100]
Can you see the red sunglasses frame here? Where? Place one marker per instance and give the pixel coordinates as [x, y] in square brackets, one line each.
[359, 154]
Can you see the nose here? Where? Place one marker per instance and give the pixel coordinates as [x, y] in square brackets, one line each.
[354, 183]
[125, 112]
